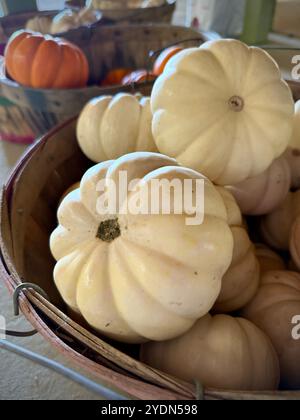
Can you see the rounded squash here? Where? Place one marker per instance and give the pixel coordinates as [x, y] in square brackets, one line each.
[273, 308]
[276, 227]
[41, 61]
[222, 109]
[263, 193]
[241, 280]
[221, 352]
[138, 76]
[292, 156]
[115, 77]
[109, 127]
[138, 277]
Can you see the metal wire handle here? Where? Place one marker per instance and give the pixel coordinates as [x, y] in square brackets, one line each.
[15, 298]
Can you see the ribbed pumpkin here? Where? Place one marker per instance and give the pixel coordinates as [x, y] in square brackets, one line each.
[273, 309]
[41, 61]
[138, 277]
[240, 282]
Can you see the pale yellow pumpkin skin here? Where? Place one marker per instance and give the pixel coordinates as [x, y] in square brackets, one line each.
[241, 280]
[272, 310]
[71, 19]
[221, 352]
[292, 156]
[109, 127]
[222, 109]
[158, 275]
[266, 191]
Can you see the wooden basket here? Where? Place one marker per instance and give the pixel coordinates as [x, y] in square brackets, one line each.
[28, 216]
[121, 12]
[106, 47]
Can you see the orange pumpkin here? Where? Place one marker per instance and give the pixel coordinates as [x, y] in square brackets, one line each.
[115, 77]
[41, 61]
[163, 58]
[138, 76]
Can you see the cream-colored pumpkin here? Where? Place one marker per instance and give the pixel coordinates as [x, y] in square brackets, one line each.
[263, 193]
[241, 280]
[268, 259]
[109, 127]
[71, 19]
[221, 352]
[273, 309]
[276, 227]
[222, 109]
[139, 277]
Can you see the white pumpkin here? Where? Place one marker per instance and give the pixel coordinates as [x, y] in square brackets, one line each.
[276, 227]
[221, 352]
[139, 277]
[109, 127]
[264, 192]
[222, 109]
[241, 280]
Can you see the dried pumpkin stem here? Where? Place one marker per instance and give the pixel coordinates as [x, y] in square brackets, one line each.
[236, 103]
[109, 230]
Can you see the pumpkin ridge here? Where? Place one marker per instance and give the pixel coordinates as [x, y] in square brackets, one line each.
[136, 281]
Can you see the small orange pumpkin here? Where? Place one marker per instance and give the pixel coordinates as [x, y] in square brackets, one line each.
[163, 58]
[138, 76]
[41, 61]
[115, 77]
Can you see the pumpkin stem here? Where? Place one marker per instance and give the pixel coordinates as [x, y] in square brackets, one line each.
[109, 230]
[236, 103]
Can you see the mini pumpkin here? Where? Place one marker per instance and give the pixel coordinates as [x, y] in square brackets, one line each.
[115, 77]
[273, 309]
[263, 193]
[222, 109]
[138, 277]
[276, 227]
[241, 280]
[41, 61]
[221, 352]
[109, 127]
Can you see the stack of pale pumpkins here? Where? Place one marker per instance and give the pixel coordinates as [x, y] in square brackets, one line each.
[205, 301]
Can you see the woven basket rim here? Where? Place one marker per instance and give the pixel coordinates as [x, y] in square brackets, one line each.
[110, 377]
